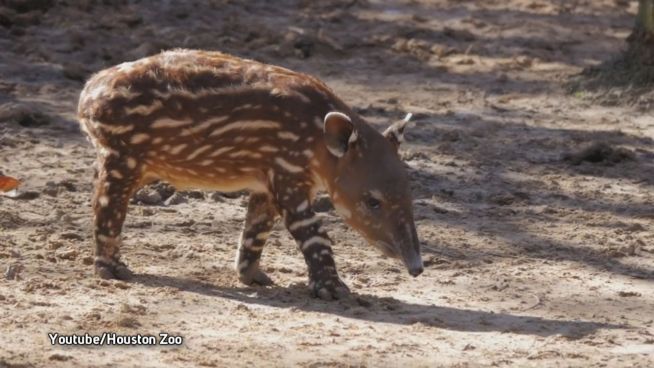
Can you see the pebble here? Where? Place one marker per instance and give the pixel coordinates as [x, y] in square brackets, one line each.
[176, 198]
[148, 196]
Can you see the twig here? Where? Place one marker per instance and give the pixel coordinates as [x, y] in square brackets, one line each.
[538, 302]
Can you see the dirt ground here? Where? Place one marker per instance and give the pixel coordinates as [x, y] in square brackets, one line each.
[534, 205]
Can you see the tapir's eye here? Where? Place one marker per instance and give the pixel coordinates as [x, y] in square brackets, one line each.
[373, 203]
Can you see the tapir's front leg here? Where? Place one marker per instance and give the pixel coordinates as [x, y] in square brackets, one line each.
[314, 243]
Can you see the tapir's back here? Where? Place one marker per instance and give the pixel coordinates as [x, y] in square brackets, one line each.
[189, 85]
[205, 115]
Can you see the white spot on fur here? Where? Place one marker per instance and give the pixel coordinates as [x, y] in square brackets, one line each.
[144, 109]
[319, 122]
[204, 125]
[220, 151]
[304, 223]
[302, 206]
[245, 154]
[139, 138]
[240, 125]
[169, 123]
[267, 148]
[198, 151]
[104, 201]
[288, 166]
[179, 148]
[131, 162]
[315, 240]
[288, 135]
[115, 129]
[377, 194]
[116, 174]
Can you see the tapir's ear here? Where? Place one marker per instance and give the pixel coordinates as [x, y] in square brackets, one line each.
[395, 132]
[339, 133]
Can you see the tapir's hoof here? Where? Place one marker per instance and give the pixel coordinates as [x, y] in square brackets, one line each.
[113, 269]
[329, 289]
[256, 277]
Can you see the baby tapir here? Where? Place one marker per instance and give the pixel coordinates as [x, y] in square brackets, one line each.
[209, 120]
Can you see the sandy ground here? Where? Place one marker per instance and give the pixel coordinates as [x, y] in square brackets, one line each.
[533, 257]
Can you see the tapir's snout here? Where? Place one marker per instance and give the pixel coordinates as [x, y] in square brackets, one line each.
[410, 256]
[410, 252]
[416, 271]
[414, 265]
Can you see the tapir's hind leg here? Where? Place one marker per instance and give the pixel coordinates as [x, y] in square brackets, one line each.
[118, 178]
[258, 222]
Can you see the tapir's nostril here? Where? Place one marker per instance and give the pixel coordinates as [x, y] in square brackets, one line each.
[416, 271]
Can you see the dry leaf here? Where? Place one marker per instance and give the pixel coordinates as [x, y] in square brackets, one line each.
[8, 183]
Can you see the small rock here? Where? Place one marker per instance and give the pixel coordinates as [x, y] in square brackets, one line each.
[51, 189]
[195, 194]
[13, 271]
[148, 196]
[55, 244]
[28, 195]
[217, 197]
[71, 236]
[60, 357]
[600, 152]
[88, 260]
[31, 119]
[164, 189]
[176, 198]
[626, 294]
[233, 195]
[69, 254]
[129, 322]
[147, 212]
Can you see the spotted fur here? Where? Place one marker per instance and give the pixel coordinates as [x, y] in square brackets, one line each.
[209, 120]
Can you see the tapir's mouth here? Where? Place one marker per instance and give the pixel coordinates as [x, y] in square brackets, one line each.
[386, 249]
[413, 264]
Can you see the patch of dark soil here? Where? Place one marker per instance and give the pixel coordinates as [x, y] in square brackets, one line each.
[600, 152]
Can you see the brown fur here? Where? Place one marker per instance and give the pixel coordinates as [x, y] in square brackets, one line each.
[208, 120]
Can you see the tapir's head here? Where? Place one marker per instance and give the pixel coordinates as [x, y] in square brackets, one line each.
[370, 187]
